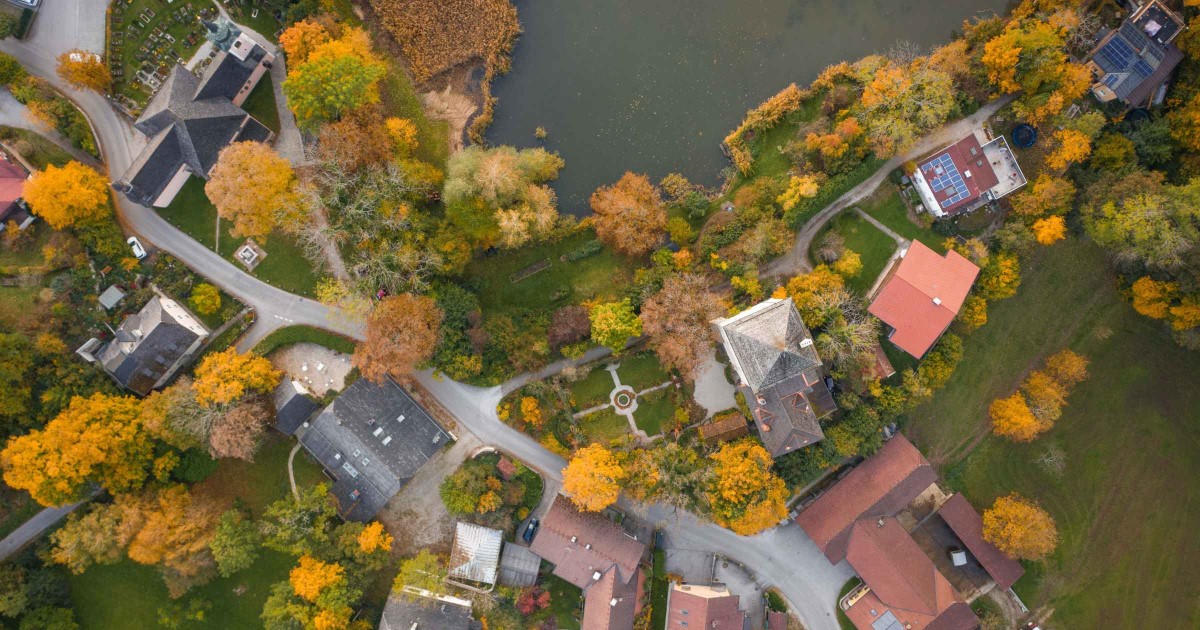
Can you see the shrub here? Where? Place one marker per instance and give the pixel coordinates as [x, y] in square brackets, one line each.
[195, 466]
[589, 248]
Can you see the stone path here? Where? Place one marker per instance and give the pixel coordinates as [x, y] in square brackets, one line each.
[623, 410]
[901, 246]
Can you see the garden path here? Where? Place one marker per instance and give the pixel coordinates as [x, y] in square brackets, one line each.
[624, 410]
[901, 246]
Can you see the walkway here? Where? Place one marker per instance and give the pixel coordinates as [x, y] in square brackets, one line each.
[901, 246]
[797, 261]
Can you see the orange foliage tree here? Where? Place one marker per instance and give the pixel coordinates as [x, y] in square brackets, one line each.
[677, 320]
[1185, 124]
[301, 38]
[1019, 528]
[1012, 418]
[1028, 58]
[1067, 368]
[361, 138]
[225, 377]
[531, 411]
[1073, 146]
[252, 186]
[1050, 230]
[374, 538]
[1047, 195]
[402, 332]
[311, 577]
[336, 76]
[97, 439]
[593, 478]
[1153, 298]
[174, 529]
[84, 70]
[629, 215]
[743, 492]
[67, 196]
[809, 291]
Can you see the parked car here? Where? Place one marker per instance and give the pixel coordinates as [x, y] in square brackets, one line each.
[139, 252]
[530, 530]
[28, 3]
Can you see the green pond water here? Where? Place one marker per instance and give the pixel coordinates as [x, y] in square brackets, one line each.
[653, 86]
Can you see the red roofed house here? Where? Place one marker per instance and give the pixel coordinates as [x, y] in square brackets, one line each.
[595, 554]
[12, 186]
[703, 607]
[967, 174]
[921, 296]
[880, 518]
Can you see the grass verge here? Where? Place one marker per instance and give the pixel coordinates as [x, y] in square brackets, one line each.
[34, 147]
[261, 103]
[604, 426]
[654, 412]
[290, 335]
[869, 242]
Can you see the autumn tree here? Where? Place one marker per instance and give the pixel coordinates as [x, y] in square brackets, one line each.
[677, 318]
[800, 187]
[1028, 57]
[1050, 230]
[335, 77]
[973, 314]
[296, 527]
[1048, 195]
[302, 38]
[206, 299]
[629, 215]
[98, 439]
[174, 530]
[1000, 276]
[1012, 418]
[1067, 368]
[1019, 528]
[16, 376]
[1073, 146]
[252, 186]
[403, 133]
[613, 323]
[1153, 298]
[593, 477]
[237, 433]
[813, 292]
[499, 196]
[95, 537]
[903, 101]
[1185, 123]
[235, 543]
[531, 411]
[743, 492]
[532, 599]
[402, 332]
[848, 265]
[71, 195]
[422, 572]
[1113, 153]
[1139, 218]
[227, 376]
[359, 139]
[311, 576]
[174, 416]
[568, 324]
[84, 70]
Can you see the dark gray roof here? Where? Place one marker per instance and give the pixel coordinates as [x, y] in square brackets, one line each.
[1134, 64]
[292, 407]
[769, 343]
[518, 566]
[426, 614]
[146, 346]
[372, 439]
[788, 413]
[190, 120]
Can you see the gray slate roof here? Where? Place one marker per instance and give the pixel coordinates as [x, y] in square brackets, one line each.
[111, 297]
[292, 407]
[372, 439]
[770, 343]
[145, 347]
[426, 614]
[518, 566]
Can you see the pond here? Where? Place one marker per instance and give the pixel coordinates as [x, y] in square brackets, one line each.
[654, 85]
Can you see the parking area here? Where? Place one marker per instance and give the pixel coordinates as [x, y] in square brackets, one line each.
[703, 567]
[65, 24]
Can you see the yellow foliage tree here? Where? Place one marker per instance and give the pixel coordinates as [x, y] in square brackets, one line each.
[744, 494]
[301, 38]
[800, 187]
[1153, 298]
[1067, 367]
[488, 502]
[806, 291]
[1185, 123]
[206, 299]
[252, 186]
[374, 537]
[973, 314]
[593, 478]
[531, 411]
[849, 265]
[1073, 146]
[1044, 395]
[403, 133]
[174, 529]
[97, 439]
[1012, 418]
[1050, 230]
[1019, 528]
[1048, 195]
[84, 70]
[1187, 315]
[67, 196]
[311, 576]
[225, 377]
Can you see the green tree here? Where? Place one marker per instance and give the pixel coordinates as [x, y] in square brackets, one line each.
[206, 299]
[16, 384]
[297, 527]
[322, 89]
[614, 323]
[423, 571]
[50, 618]
[12, 590]
[235, 544]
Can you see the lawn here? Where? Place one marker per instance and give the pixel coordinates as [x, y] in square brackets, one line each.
[16, 302]
[604, 426]
[1130, 435]
[653, 412]
[565, 600]
[284, 266]
[30, 255]
[868, 241]
[593, 390]
[35, 148]
[659, 587]
[843, 620]
[642, 371]
[16, 507]
[261, 103]
[128, 595]
[888, 208]
[562, 283]
[151, 36]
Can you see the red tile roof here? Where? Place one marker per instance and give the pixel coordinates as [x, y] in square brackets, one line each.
[599, 545]
[506, 468]
[902, 579]
[611, 604]
[12, 184]
[922, 295]
[880, 486]
[776, 620]
[968, 526]
[702, 607]
[982, 178]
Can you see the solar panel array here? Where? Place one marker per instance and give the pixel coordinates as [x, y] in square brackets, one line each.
[1118, 52]
[946, 178]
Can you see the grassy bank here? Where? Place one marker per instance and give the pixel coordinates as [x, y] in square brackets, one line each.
[1130, 436]
[290, 335]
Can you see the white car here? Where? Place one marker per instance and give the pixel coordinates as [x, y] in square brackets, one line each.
[139, 252]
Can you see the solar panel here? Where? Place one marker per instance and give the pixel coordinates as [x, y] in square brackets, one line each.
[1111, 80]
[1143, 68]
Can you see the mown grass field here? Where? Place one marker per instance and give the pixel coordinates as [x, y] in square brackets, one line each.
[652, 413]
[261, 103]
[603, 426]
[869, 242]
[642, 371]
[1127, 499]
[128, 595]
[284, 266]
[592, 390]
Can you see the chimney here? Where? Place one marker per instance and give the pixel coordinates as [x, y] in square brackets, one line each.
[937, 300]
[761, 400]
[613, 601]
[574, 538]
[880, 523]
[596, 576]
[766, 426]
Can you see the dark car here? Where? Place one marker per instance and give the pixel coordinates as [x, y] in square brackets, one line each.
[530, 530]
